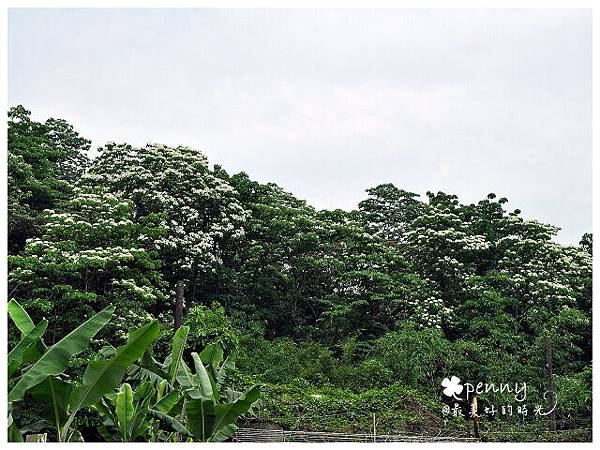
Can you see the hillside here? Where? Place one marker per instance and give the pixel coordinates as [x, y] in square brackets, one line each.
[338, 315]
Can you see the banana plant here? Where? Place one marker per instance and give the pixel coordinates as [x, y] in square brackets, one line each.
[32, 364]
[149, 368]
[205, 412]
[56, 358]
[44, 378]
[102, 377]
[143, 414]
[209, 418]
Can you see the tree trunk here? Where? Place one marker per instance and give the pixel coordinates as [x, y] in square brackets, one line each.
[179, 304]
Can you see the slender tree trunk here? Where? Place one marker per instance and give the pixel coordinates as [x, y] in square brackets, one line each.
[179, 304]
[194, 286]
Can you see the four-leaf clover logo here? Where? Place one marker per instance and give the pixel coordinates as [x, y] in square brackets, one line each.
[452, 387]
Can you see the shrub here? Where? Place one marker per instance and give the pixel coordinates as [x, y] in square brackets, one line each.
[211, 325]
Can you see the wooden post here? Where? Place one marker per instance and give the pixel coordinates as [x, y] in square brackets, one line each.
[551, 397]
[36, 437]
[374, 429]
[179, 304]
[474, 416]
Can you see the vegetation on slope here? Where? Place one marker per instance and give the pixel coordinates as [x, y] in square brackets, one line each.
[352, 306]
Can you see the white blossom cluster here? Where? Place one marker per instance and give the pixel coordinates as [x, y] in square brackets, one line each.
[542, 271]
[431, 312]
[92, 241]
[202, 210]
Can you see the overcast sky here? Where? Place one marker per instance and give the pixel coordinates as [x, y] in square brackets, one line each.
[327, 103]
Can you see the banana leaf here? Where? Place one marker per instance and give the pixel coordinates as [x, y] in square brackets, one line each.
[172, 422]
[20, 317]
[200, 418]
[55, 393]
[212, 355]
[56, 358]
[230, 412]
[167, 403]
[14, 434]
[179, 340]
[102, 377]
[224, 433]
[124, 410]
[202, 381]
[17, 355]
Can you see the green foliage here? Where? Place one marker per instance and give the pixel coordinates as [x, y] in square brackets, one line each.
[349, 305]
[389, 211]
[418, 358]
[56, 358]
[284, 361]
[208, 409]
[575, 394]
[211, 325]
[44, 159]
[90, 254]
[140, 415]
[586, 243]
[44, 379]
[146, 413]
[104, 376]
[397, 409]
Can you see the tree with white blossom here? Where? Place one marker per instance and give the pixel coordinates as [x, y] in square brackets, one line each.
[91, 254]
[202, 215]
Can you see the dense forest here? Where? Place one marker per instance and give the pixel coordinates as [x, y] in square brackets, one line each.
[340, 317]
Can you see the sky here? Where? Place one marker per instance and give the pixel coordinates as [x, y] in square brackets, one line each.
[327, 103]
